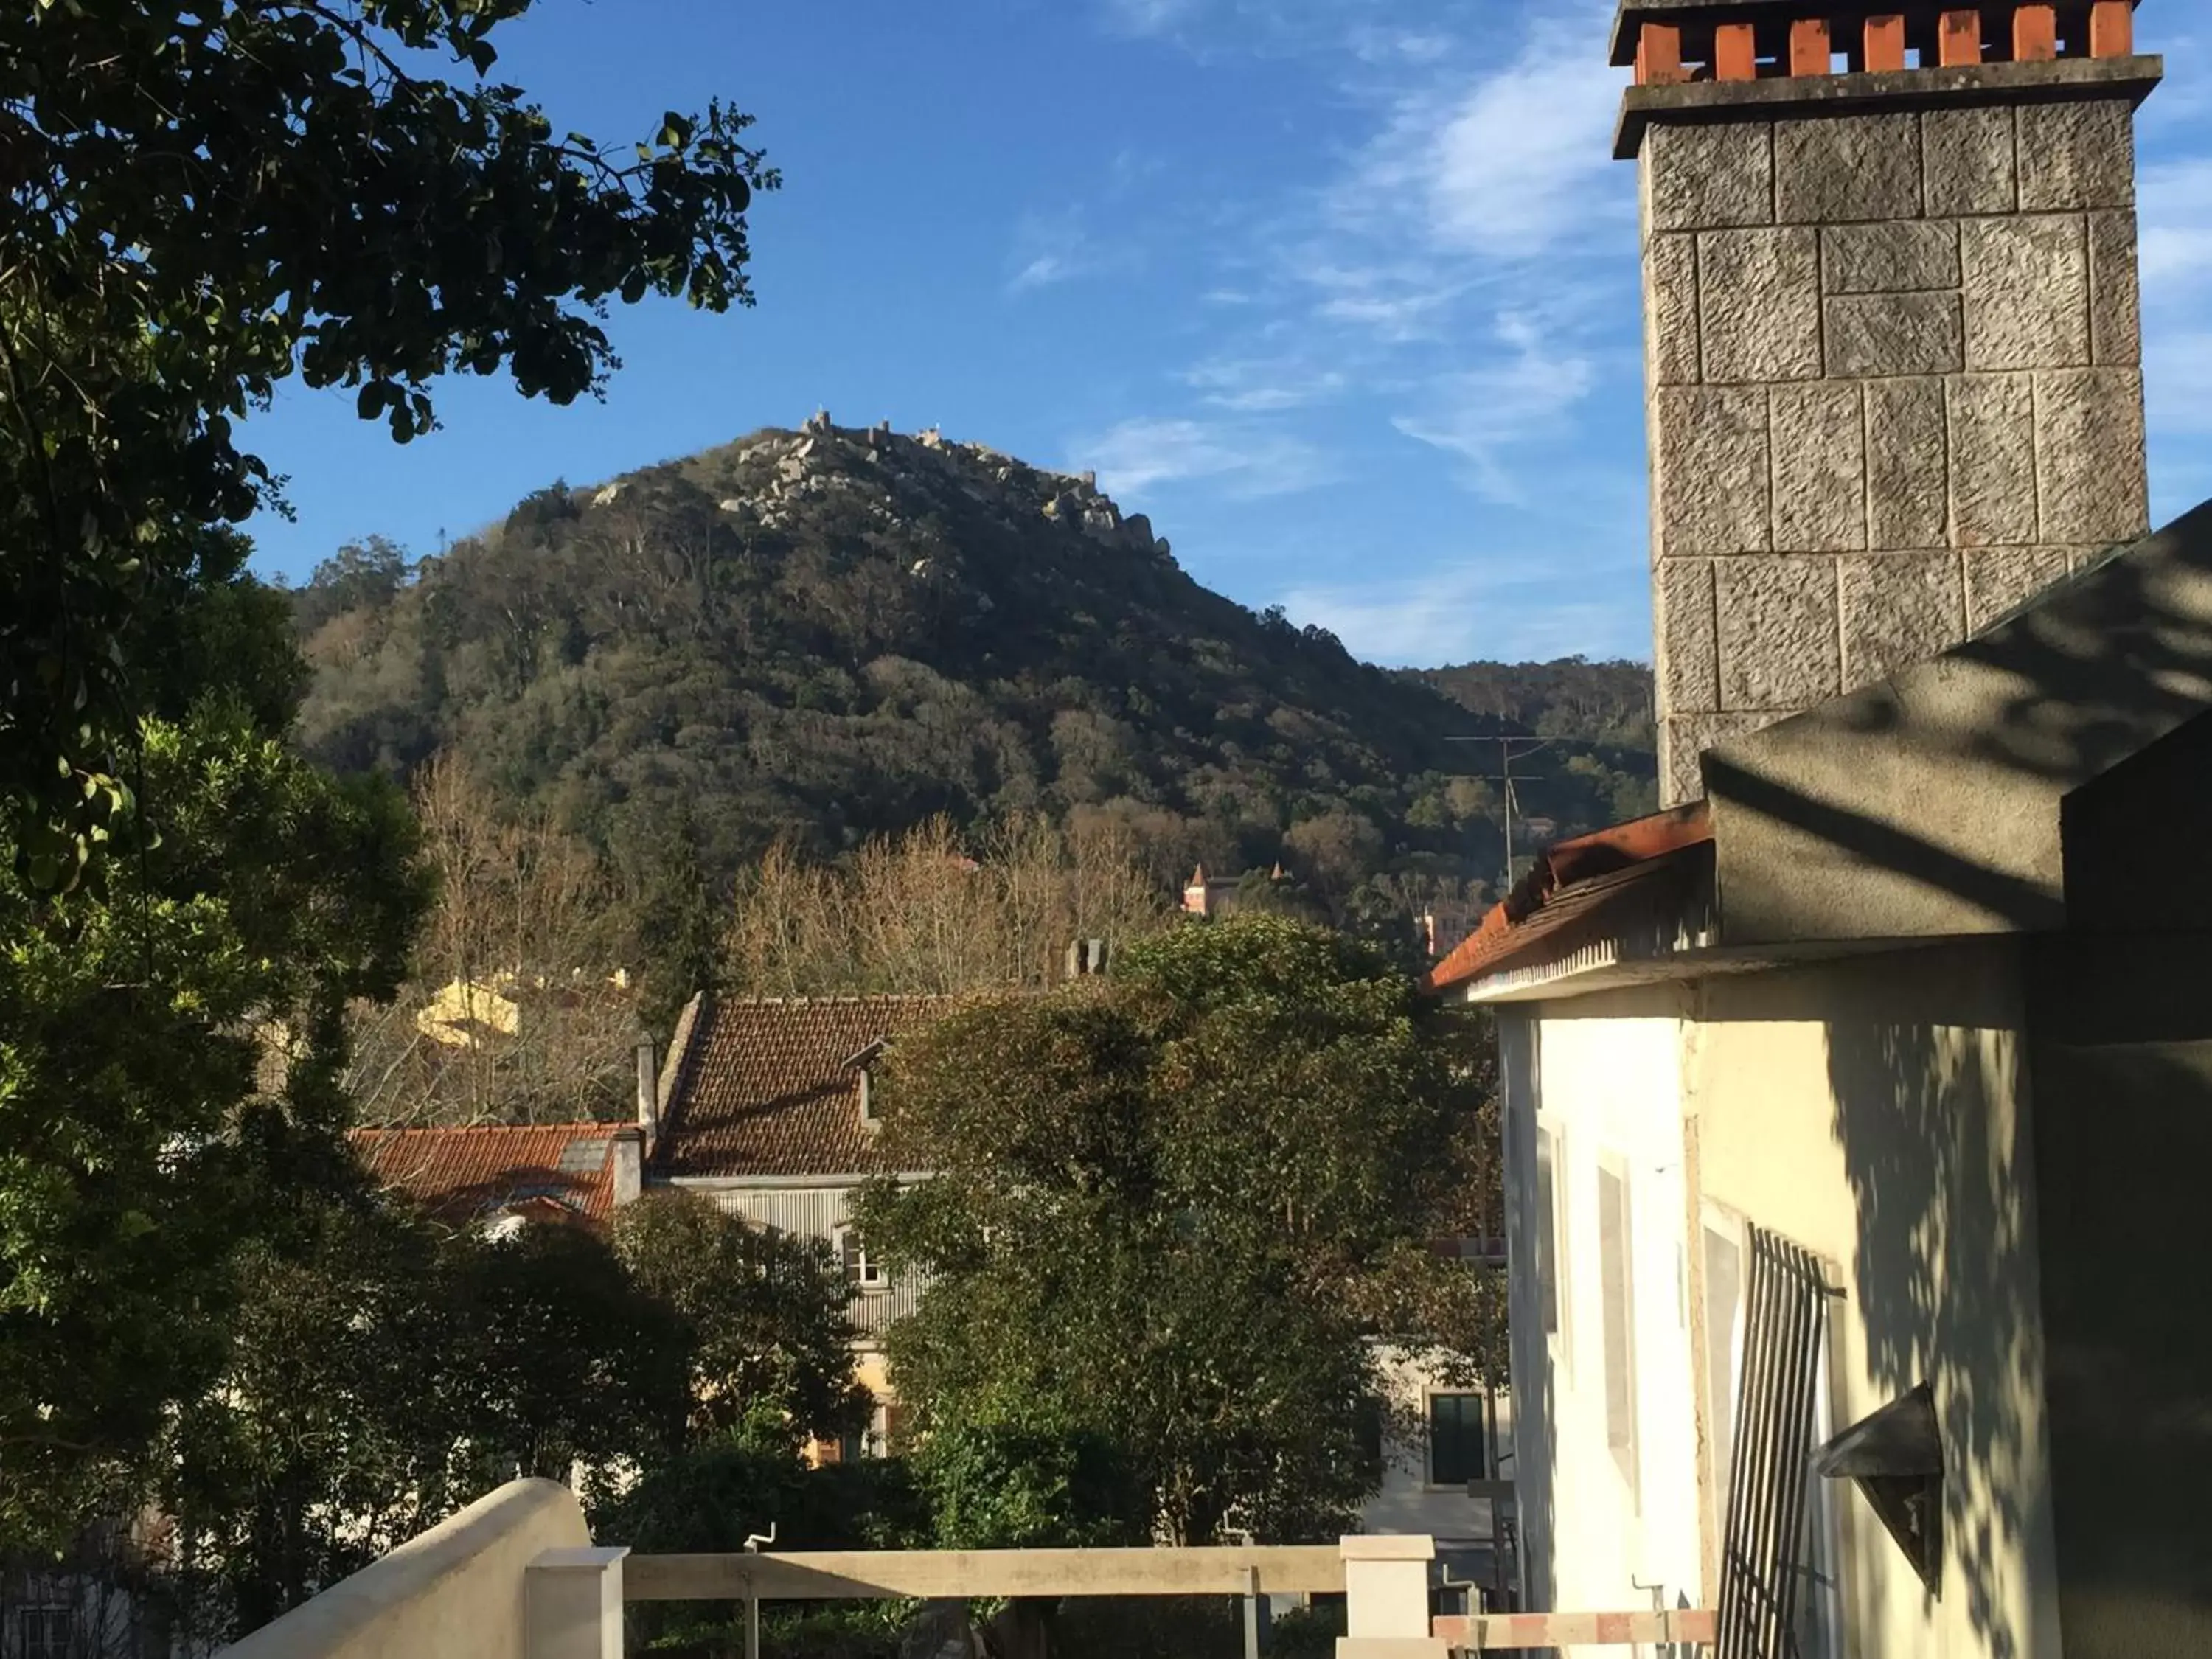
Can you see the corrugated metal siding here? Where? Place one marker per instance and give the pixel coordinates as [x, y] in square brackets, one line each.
[819, 1212]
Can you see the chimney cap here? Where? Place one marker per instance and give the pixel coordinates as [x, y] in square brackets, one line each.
[1634, 13]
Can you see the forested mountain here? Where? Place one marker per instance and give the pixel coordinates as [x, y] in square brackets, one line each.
[1604, 703]
[813, 636]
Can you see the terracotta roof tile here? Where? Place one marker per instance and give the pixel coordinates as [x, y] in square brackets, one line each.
[762, 1085]
[463, 1175]
[1569, 882]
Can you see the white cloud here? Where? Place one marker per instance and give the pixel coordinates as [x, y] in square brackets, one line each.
[1148, 17]
[1253, 386]
[1467, 611]
[1484, 413]
[1511, 166]
[1058, 247]
[1244, 458]
[2175, 199]
[1398, 45]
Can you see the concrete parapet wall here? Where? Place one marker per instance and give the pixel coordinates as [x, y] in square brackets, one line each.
[455, 1592]
[1893, 364]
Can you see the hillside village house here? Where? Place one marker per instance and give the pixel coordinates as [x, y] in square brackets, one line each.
[498, 1177]
[1855, 1107]
[768, 1106]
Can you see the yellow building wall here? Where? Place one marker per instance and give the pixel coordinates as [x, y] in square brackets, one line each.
[1875, 1111]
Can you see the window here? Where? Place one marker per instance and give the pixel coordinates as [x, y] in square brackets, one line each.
[1617, 1288]
[861, 1268]
[44, 1632]
[1548, 1232]
[1367, 1432]
[867, 1096]
[1723, 1311]
[1455, 1449]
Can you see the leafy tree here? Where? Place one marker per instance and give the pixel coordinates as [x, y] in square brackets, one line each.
[170, 1042]
[674, 905]
[763, 1314]
[1173, 1209]
[383, 1373]
[202, 201]
[360, 576]
[993, 1485]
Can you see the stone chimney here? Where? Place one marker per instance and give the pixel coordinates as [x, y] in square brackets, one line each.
[1892, 358]
[648, 1094]
[628, 1154]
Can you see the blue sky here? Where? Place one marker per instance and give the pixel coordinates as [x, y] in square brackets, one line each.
[1342, 293]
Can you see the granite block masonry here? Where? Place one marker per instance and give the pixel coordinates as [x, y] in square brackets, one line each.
[1892, 343]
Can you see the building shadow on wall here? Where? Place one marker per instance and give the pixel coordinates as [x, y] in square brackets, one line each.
[1941, 1169]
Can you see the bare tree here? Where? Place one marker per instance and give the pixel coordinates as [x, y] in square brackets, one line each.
[517, 1011]
[920, 912]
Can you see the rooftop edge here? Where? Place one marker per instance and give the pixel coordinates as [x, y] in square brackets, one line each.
[2050, 80]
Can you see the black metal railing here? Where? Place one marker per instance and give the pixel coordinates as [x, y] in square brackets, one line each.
[1785, 1326]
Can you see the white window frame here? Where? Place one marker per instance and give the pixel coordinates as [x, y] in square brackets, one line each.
[1558, 1330]
[1726, 1225]
[1624, 1439]
[1429, 1397]
[863, 1271]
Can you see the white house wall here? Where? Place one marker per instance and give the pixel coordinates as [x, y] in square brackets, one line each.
[1408, 1502]
[1607, 1088]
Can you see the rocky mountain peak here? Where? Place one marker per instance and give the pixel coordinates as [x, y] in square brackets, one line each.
[896, 477]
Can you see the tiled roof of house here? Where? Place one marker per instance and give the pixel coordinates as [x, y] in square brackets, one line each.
[771, 1085]
[464, 1175]
[1573, 883]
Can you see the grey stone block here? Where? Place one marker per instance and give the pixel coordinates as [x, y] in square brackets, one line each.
[2077, 155]
[1833, 169]
[2115, 291]
[2090, 476]
[1870, 334]
[1908, 469]
[1890, 258]
[2027, 292]
[1818, 437]
[1778, 632]
[1992, 428]
[1688, 665]
[1705, 177]
[1759, 305]
[1999, 578]
[1897, 609]
[1670, 309]
[1684, 737]
[1710, 470]
[1970, 161]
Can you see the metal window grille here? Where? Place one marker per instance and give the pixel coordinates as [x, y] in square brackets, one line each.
[1785, 1325]
[1455, 1439]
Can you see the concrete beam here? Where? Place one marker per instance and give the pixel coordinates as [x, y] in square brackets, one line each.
[927, 1575]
